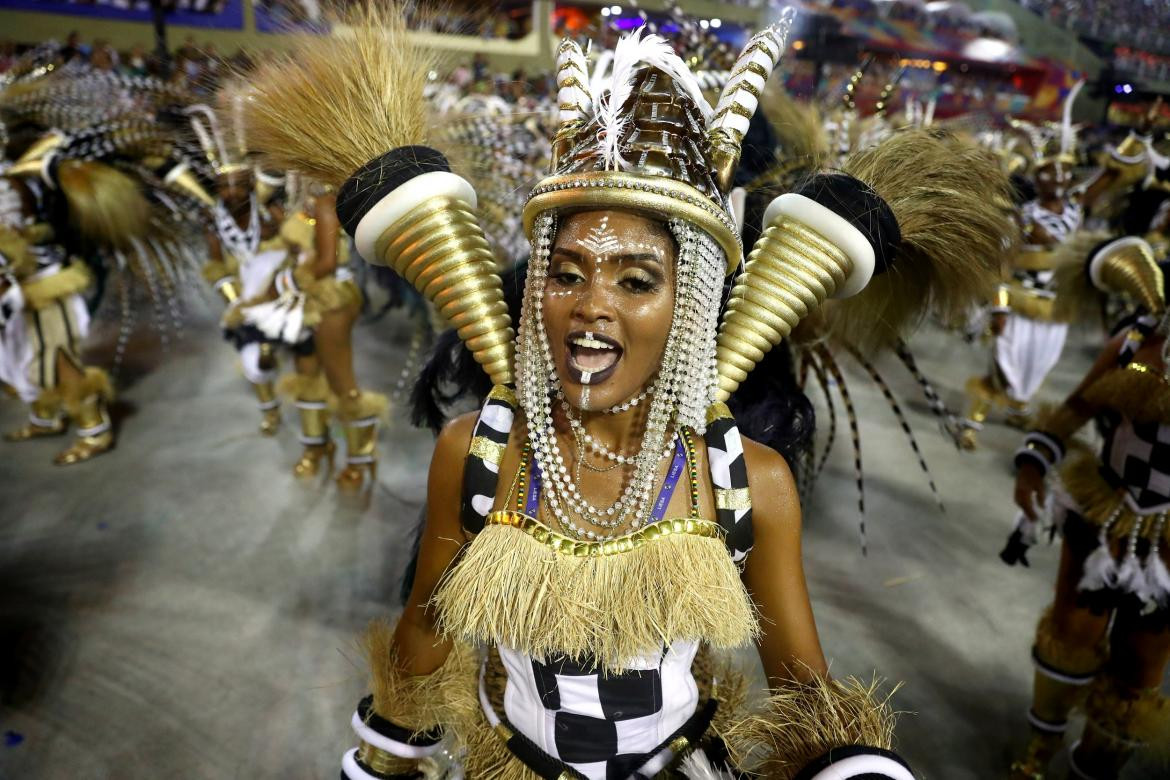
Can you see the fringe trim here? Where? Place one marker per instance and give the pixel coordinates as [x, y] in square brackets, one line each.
[1142, 396]
[366, 404]
[803, 721]
[419, 702]
[1130, 716]
[325, 294]
[1071, 658]
[95, 382]
[486, 755]
[299, 387]
[76, 278]
[1076, 297]
[510, 589]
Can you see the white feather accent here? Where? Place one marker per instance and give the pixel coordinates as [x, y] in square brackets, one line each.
[697, 766]
[1068, 135]
[1158, 580]
[210, 136]
[1100, 569]
[633, 53]
[1130, 576]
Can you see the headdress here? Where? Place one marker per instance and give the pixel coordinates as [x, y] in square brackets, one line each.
[225, 153]
[1053, 144]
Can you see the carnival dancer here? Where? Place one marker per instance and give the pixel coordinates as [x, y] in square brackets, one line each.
[311, 308]
[586, 553]
[244, 251]
[1026, 324]
[43, 315]
[1105, 641]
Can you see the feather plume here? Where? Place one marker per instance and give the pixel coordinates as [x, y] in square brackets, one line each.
[1068, 134]
[1100, 569]
[804, 720]
[368, 80]
[945, 194]
[633, 53]
[106, 206]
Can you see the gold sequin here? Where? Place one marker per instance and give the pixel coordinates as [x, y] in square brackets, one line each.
[485, 448]
[565, 545]
[733, 498]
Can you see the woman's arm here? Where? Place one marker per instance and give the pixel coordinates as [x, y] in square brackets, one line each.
[419, 648]
[325, 236]
[774, 575]
[1060, 423]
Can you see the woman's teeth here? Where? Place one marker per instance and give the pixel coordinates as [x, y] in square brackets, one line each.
[591, 356]
[590, 343]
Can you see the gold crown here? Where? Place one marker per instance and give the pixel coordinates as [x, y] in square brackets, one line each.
[649, 141]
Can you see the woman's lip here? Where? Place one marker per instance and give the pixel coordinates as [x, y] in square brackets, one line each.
[595, 377]
[576, 373]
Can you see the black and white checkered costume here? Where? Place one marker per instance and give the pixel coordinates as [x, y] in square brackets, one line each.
[1059, 227]
[604, 726]
[618, 724]
[1136, 456]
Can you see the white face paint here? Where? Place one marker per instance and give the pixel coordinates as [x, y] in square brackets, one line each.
[601, 240]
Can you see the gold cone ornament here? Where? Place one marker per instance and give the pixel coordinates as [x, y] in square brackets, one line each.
[791, 271]
[427, 231]
[1127, 267]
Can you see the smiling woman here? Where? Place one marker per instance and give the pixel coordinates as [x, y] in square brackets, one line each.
[600, 534]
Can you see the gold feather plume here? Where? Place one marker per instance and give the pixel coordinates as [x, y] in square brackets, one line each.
[946, 195]
[336, 102]
[106, 206]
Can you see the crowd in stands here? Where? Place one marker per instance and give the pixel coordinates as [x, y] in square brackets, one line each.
[198, 66]
[1139, 28]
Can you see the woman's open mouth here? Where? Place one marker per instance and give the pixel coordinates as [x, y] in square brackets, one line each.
[592, 358]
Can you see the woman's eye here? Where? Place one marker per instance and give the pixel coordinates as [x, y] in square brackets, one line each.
[566, 277]
[639, 284]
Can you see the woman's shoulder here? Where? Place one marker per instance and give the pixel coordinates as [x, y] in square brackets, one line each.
[775, 497]
[455, 438]
[765, 464]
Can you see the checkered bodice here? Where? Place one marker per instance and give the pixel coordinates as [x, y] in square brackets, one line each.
[1059, 227]
[603, 725]
[1136, 456]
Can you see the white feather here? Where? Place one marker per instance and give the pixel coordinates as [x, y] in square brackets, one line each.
[633, 53]
[697, 766]
[1130, 576]
[1157, 580]
[1067, 133]
[1100, 569]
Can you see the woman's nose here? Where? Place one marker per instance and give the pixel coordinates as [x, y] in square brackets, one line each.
[594, 303]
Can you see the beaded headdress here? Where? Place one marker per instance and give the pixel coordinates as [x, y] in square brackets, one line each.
[649, 141]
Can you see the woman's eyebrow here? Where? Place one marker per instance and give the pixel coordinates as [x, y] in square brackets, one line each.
[628, 257]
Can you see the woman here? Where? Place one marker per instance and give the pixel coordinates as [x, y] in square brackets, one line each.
[1107, 632]
[589, 529]
[311, 306]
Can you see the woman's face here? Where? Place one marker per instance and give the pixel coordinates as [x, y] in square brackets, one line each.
[608, 305]
[1052, 181]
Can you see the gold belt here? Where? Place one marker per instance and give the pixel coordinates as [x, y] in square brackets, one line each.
[1032, 304]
